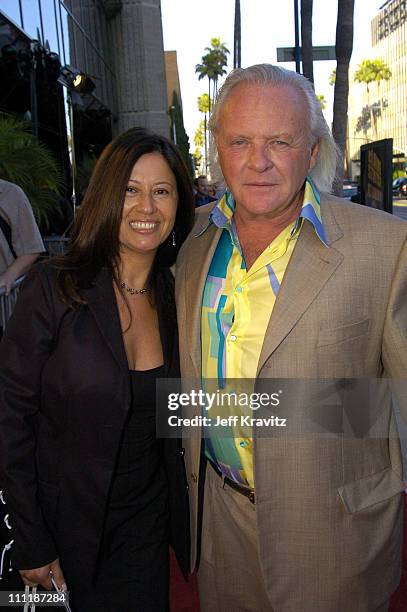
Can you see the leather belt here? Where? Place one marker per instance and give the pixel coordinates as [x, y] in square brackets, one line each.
[249, 493]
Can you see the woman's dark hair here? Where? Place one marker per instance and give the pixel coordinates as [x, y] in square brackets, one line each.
[94, 240]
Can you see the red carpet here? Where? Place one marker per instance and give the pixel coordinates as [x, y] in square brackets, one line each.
[399, 599]
[184, 595]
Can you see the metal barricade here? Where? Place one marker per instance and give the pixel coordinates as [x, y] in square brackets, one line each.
[55, 245]
[7, 302]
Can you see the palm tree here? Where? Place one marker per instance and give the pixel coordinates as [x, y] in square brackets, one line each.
[306, 39]
[213, 66]
[370, 71]
[24, 160]
[343, 49]
[219, 58]
[203, 107]
[383, 72]
[366, 74]
[204, 70]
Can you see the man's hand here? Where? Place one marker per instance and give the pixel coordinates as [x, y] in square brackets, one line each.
[42, 576]
[6, 281]
[20, 266]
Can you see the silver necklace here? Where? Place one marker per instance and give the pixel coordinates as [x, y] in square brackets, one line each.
[132, 290]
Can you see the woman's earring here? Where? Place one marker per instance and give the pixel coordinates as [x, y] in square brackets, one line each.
[173, 239]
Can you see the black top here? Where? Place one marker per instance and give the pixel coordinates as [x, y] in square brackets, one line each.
[139, 478]
[134, 561]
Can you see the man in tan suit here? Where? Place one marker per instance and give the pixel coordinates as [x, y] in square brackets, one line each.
[280, 280]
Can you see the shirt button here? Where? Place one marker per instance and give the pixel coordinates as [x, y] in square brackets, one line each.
[233, 338]
[194, 478]
[239, 289]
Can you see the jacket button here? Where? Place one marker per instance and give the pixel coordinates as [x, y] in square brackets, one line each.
[194, 478]
[182, 452]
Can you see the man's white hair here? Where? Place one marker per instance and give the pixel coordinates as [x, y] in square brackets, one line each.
[324, 171]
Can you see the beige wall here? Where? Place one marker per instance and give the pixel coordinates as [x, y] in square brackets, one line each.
[171, 73]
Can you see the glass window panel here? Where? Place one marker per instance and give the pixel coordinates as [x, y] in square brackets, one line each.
[31, 17]
[50, 27]
[11, 9]
[65, 35]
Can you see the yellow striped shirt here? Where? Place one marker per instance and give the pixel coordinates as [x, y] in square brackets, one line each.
[236, 309]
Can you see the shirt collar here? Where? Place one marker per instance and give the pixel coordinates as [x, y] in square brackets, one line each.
[223, 212]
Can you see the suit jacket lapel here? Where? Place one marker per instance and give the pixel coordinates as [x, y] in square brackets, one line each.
[102, 303]
[200, 257]
[310, 267]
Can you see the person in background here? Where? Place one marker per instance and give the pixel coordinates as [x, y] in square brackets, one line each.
[212, 190]
[94, 497]
[202, 191]
[280, 281]
[20, 246]
[20, 239]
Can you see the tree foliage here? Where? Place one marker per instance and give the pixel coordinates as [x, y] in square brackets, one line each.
[180, 133]
[322, 101]
[372, 71]
[199, 140]
[84, 171]
[25, 161]
[213, 65]
[203, 103]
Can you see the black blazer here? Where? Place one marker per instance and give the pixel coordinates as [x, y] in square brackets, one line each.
[64, 397]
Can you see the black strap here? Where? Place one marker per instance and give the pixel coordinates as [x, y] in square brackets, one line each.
[6, 229]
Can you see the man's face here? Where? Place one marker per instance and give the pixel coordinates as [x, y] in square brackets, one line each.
[264, 148]
[202, 186]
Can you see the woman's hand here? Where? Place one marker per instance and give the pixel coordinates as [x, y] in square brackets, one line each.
[42, 576]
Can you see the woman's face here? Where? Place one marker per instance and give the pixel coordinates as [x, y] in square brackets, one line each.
[149, 207]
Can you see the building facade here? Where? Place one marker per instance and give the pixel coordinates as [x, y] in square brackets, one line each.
[118, 43]
[172, 77]
[128, 35]
[386, 102]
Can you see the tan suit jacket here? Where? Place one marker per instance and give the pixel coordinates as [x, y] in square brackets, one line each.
[329, 510]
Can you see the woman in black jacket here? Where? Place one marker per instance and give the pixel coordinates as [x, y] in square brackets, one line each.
[94, 497]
